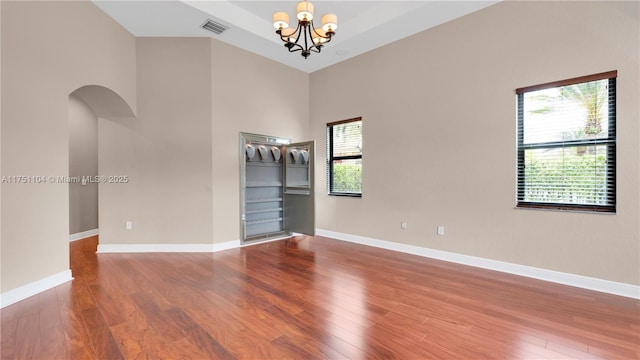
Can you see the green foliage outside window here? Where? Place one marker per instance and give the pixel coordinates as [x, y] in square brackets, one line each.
[347, 177]
[562, 179]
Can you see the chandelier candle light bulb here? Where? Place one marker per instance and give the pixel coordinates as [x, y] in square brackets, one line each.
[305, 11]
[329, 22]
[319, 36]
[281, 20]
[305, 37]
[289, 34]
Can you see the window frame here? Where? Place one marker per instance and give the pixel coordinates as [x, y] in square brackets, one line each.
[331, 158]
[609, 142]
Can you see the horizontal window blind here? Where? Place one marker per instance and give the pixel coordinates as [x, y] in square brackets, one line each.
[567, 144]
[344, 157]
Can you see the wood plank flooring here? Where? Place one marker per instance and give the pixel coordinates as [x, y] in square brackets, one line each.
[310, 298]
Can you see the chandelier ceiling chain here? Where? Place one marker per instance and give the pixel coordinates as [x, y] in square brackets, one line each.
[305, 37]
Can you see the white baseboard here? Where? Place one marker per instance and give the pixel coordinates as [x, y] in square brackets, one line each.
[580, 281]
[36, 287]
[226, 245]
[150, 248]
[83, 235]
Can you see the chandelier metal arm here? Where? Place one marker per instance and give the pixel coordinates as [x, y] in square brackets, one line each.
[305, 28]
[292, 46]
[319, 35]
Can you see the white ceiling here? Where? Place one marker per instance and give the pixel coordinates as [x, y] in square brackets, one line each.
[362, 25]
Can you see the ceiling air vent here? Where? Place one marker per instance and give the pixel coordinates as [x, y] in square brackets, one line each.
[214, 27]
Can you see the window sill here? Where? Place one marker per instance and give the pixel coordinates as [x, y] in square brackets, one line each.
[345, 195]
[564, 209]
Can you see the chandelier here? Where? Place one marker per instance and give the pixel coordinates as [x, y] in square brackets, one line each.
[305, 37]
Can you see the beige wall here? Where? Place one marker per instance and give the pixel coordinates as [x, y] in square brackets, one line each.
[440, 136]
[74, 44]
[250, 94]
[182, 151]
[83, 163]
[165, 151]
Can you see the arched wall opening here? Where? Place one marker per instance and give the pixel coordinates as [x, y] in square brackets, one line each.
[87, 105]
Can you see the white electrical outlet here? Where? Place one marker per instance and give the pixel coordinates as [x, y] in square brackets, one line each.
[129, 225]
[403, 225]
[440, 230]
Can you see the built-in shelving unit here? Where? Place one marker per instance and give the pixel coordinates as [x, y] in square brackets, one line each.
[268, 209]
[263, 206]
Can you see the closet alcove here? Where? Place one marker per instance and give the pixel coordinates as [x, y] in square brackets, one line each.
[276, 187]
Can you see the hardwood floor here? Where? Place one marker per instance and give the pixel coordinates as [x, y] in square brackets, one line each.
[307, 298]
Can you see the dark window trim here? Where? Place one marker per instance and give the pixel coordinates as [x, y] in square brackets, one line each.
[331, 158]
[344, 121]
[572, 81]
[610, 141]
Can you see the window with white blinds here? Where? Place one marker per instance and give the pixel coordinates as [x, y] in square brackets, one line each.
[567, 144]
[344, 157]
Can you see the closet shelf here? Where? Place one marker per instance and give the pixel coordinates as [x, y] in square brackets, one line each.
[259, 163]
[254, 201]
[263, 211]
[252, 184]
[255, 222]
